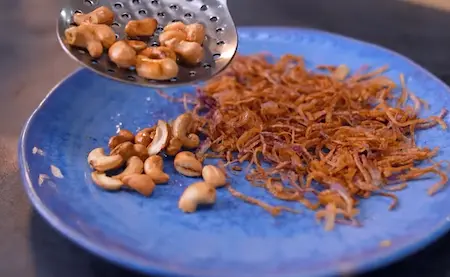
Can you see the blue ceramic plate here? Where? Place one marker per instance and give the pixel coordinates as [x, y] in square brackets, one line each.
[234, 238]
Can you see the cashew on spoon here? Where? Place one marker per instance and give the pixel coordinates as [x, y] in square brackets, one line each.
[122, 54]
[101, 162]
[101, 15]
[82, 36]
[156, 69]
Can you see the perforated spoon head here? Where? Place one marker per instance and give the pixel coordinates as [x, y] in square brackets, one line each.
[220, 43]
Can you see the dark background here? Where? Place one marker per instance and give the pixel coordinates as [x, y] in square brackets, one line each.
[31, 63]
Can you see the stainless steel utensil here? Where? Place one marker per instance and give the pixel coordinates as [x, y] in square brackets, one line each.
[220, 44]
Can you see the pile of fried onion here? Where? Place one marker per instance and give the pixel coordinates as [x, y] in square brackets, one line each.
[325, 134]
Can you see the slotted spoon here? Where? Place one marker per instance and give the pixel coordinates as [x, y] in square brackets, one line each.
[220, 43]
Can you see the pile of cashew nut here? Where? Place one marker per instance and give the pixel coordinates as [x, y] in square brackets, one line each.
[179, 43]
[143, 167]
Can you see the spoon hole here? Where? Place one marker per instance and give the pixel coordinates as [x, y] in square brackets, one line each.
[89, 3]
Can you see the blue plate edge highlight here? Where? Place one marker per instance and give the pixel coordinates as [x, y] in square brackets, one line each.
[382, 259]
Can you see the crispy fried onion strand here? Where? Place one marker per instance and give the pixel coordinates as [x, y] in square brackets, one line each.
[339, 137]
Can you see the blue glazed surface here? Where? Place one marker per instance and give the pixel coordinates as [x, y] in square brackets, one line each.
[234, 238]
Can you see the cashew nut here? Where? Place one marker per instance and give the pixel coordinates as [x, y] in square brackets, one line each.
[160, 140]
[153, 167]
[195, 33]
[101, 162]
[175, 26]
[126, 134]
[160, 52]
[140, 182]
[137, 45]
[175, 145]
[105, 182]
[180, 128]
[121, 137]
[134, 166]
[214, 176]
[199, 193]
[127, 149]
[176, 32]
[141, 28]
[104, 34]
[122, 54]
[187, 164]
[163, 69]
[192, 141]
[101, 15]
[141, 151]
[145, 136]
[82, 36]
[172, 37]
[190, 52]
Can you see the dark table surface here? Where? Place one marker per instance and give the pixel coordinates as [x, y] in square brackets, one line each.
[31, 63]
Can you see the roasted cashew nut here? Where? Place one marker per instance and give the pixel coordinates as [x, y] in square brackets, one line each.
[214, 176]
[160, 140]
[172, 38]
[122, 54]
[125, 150]
[159, 52]
[82, 36]
[153, 167]
[200, 193]
[175, 26]
[141, 151]
[145, 136]
[141, 28]
[121, 137]
[134, 166]
[101, 15]
[192, 141]
[187, 164]
[140, 182]
[101, 162]
[163, 69]
[195, 33]
[128, 149]
[104, 34]
[176, 32]
[190, 52]
[105, 182]
[180, 129]
[137, 45]
[175, 145]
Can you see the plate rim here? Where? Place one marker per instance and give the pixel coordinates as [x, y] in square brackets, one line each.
[360, 266]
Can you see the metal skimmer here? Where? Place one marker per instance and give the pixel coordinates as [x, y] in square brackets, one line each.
[220, 43]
